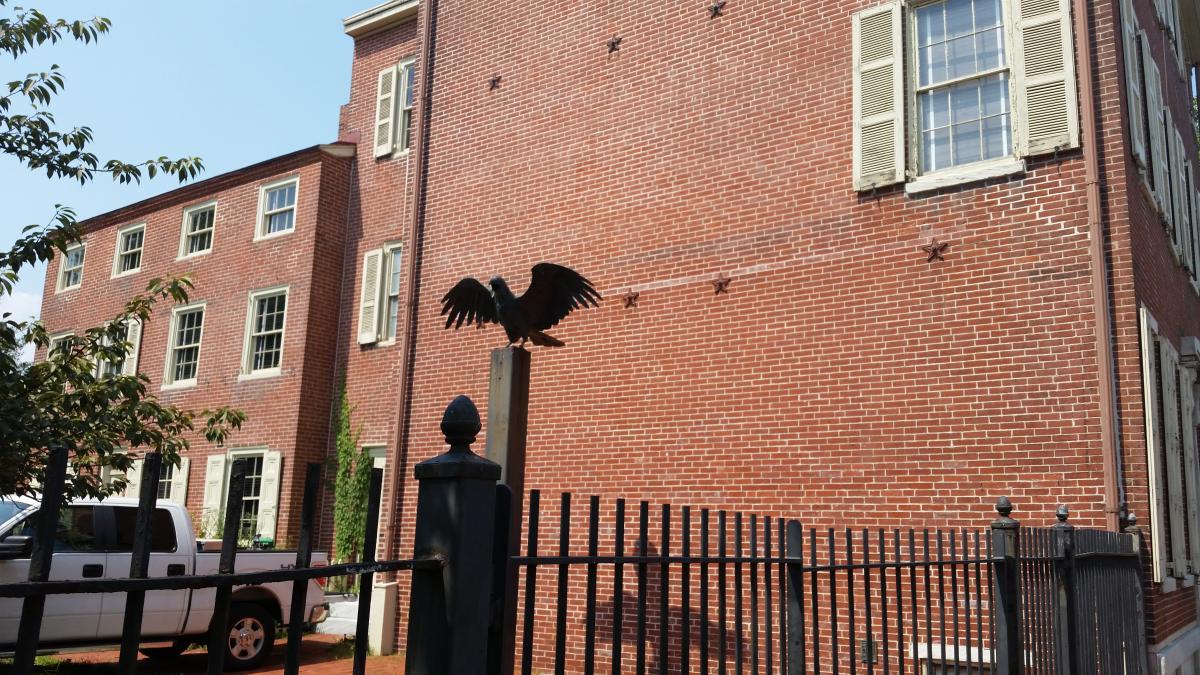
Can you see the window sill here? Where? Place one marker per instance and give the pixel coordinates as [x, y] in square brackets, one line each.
[260, 374]
[68, 288]
[274, 235]
[190, 256]
[180, 384]
[971, 173]
[129, 273]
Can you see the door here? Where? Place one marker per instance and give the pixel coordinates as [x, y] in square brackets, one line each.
[164, 610]
[77, 555]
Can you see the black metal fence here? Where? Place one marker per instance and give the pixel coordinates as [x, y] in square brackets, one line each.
[681, 590]
[673, 590]
[137, 584]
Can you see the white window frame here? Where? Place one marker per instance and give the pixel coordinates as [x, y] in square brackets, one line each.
[169, 482]
[997, 167]
[241, 453]
[169, 362]
[406, 73]
[378, 452]
[118, 253]
[134, 345]
[63, 269]
[247, 371]
[385, 292]
[260, 232]
[55, 338]
[185, 234]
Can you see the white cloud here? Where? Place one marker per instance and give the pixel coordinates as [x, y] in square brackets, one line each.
[22, 305]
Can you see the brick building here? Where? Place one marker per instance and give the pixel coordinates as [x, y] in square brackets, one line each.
[814, 157]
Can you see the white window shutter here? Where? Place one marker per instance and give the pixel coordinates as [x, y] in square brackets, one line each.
[268, 504]
[1044, 70]
[1187, 410]
[1185, 208]
[133, 479]
[1168, 371]
[1154, 108]
[385, 113]
[368, 310]
[1178, 192]
[133, 335]
[878, 97]
[1134, 87]
[1154, 468]
[214, 490]
[179, 481]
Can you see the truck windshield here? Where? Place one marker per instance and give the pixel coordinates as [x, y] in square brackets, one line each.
[10, 508]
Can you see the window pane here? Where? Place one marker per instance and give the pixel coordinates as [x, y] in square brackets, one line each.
[961, 57]
[996, 141]
[989, 47]
[76, 531]
[959, 18]
[266, 351]
[987, 14]
[933, 63]
[278, 222]
[966, 143]
[930, 24]
[935, 149]
[165, 477]
[162, 530]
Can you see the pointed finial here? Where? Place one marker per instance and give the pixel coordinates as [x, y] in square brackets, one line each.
[1004, 507]
[460, 424]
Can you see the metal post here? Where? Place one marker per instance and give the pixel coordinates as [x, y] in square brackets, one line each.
[218, 633]
[508, 416]
[312, 484]
[1010, 652]
[139, 562]
[1137, 661]
[366, 581]
[503, 623]
[39, 562]
[448, 608]
[795, 596]
[1066, 635]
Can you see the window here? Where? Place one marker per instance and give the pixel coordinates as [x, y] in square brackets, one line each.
[59, 343]
[129, 334]
[986, 83]
[264, 339]
[392, 292]
[166, 478]
[393, 118]
[277, 212]
[183, 353]
[962, 83]
[1174, 477]
[71, 272]
[162, 530]
[197, 230]
[76, 531]
[130, 241]
[251, 497]
[379, 304]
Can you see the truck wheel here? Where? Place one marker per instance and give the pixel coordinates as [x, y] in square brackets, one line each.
[251, 636]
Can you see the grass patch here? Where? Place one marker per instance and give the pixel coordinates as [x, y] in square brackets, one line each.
[56, 665]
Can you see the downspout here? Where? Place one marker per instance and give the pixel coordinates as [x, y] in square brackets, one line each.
[413, 242]
[1109, 428]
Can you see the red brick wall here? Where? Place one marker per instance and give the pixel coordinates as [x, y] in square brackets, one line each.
[289, 413]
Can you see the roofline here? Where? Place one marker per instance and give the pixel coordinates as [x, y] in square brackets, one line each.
[380, 17]
[208, 185]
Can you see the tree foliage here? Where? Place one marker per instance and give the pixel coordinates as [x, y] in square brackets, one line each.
[65, 400]
[351, 486]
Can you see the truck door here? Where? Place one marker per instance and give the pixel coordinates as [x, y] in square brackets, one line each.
[77, 555]
[164, 610]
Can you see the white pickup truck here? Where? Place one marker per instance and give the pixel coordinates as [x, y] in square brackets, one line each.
[95, 540]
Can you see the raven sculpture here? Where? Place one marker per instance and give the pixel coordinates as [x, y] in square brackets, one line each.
[553, 292]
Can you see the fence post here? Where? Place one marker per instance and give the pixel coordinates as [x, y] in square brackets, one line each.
[795, 598]
[1006, 537]
[366, 581]
[34, 606]
[448, 607]
[139, 562]
[295, 619]
[1137, 658]
[218, 630]
[1066, 627]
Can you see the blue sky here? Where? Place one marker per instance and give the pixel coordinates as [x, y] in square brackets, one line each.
[231, 82]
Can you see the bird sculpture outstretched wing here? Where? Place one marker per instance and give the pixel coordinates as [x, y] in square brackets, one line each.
[469, 302]
[554, 291]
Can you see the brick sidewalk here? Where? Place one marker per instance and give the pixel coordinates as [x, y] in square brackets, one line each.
[319, 655]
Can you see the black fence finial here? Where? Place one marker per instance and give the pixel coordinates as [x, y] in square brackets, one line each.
[460, 424]
[1005, 508]
[1062, 513]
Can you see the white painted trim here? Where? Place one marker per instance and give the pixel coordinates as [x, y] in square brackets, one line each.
[967, 173]
[260, 220]
[1148, 337]
[168, 382]
[58, 287]
[1176, 652]
[385, 277]
[117, 252]
[246, 372]
[183, 230]
[406, 72]
[380, 17]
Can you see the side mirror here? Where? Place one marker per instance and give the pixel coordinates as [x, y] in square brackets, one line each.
[16, 546]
